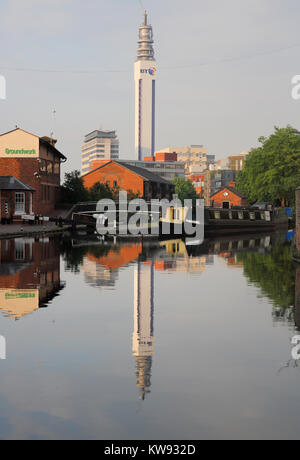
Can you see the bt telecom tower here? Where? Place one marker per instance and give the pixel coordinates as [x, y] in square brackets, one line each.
[145, 76]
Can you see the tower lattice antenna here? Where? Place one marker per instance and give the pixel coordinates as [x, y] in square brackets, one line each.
[54, 124]
[142, 6]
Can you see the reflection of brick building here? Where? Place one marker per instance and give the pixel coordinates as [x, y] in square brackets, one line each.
[102, 271]
[29, 275]
[119, 257]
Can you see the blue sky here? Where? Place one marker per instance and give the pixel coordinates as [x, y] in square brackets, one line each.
[204, 94]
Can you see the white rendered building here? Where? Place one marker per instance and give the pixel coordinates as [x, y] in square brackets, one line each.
[145, 76]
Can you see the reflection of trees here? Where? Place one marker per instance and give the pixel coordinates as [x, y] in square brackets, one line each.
[273, 273]
[74, 256]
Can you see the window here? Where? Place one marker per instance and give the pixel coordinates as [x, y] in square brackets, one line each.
[43, 165]
[56, 167]
[49, 167]
[19, 250]
[30, 203]
[20, 203]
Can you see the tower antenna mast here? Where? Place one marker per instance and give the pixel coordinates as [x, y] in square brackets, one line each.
[142, 6]
[54, 124]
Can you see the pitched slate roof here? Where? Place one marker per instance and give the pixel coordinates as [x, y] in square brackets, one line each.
[144, 173]
[231, 189]
[12, 183]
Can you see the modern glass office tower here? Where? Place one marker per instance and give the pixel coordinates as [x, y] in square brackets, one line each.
[145, 76]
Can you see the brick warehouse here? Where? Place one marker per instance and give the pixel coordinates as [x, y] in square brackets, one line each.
[35, 162]
[130, 178]
[228, 197]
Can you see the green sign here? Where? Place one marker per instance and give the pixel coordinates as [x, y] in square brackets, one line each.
[20, 152]
[20, 295]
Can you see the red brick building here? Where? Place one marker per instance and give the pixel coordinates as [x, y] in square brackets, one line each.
[35, 162]
[162, 157]
[130, 178]
[198, 182]
[228, 197]
[16, 199]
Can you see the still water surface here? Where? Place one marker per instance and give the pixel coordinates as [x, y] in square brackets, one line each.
[149, 341]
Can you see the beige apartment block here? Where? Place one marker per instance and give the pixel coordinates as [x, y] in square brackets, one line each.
[195, 157]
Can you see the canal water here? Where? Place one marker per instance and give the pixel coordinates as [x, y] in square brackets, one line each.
[150, 340]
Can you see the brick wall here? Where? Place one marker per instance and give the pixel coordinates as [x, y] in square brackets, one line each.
[232, 198]
[24, 169]
[115, 174]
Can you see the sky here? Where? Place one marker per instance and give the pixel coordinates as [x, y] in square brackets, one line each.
[224, 70]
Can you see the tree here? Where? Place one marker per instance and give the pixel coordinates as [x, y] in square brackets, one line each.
[185, 189]
[101, 191]
[73, 190]
[273, 273]
[272, 171]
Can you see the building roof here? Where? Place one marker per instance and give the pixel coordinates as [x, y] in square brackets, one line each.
[49, 145]
[232, 190]
[18, 129]
[144, 173]
[43, 140]
[101, 134]
[12, 183]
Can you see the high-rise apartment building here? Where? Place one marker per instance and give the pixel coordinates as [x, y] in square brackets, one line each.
[99, 145]
[145, 76]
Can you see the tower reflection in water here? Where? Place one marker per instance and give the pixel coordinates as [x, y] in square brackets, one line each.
[143, 335]
[29, 275]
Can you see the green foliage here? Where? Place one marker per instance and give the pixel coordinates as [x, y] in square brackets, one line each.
[73, 190]
[74, 257]
[132, 196]
[185, 189]
[273, 273]
[272, 171]
[101, 191]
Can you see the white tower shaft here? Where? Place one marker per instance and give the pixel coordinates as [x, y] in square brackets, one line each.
[145, 80]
